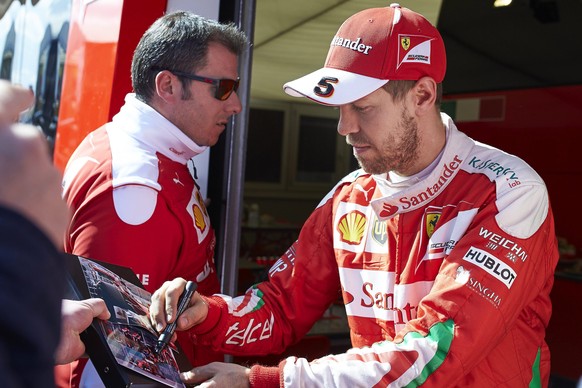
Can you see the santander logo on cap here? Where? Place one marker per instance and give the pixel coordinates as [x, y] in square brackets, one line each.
[355, 45]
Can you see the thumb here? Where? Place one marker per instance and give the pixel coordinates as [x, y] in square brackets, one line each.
[98, 308]
[188, 319]
[195, 314]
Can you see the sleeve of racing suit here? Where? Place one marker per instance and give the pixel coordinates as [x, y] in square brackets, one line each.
[461, 330]
[274, 314]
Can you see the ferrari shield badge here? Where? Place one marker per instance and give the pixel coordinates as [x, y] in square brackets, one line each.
[431, 221]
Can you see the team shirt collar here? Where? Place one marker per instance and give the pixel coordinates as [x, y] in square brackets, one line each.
[154, 129]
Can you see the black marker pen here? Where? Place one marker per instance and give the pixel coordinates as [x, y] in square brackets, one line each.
[168, 332]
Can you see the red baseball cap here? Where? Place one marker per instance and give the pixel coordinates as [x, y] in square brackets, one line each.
[371, 48]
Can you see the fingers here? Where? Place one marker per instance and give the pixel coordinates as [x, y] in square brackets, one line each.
[165, 302]
[35, 188]
[197, 375]
[76, 316]
[173, 292]
[14, 99]
[195, 314]
[98, 308]
[164, 307]
[22, 139]
[218, 374]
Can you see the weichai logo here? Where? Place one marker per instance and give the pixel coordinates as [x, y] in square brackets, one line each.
[352, 227]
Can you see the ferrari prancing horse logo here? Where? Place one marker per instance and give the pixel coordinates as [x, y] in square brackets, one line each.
[431, 221]
[405, 42]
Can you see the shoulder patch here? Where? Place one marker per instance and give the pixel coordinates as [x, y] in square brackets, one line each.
[134, 204]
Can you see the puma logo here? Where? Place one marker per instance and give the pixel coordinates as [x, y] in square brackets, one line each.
[177, 179]
[366, 192]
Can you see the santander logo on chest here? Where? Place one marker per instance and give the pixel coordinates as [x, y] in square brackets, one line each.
[419, 194]
[388, 210]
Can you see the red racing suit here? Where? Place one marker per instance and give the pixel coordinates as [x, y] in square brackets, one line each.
[445, 279]
[136, 204]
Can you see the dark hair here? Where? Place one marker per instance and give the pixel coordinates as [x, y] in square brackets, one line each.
[179, 41]
[398, 89]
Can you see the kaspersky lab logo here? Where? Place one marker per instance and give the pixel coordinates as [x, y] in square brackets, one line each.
[352, 227]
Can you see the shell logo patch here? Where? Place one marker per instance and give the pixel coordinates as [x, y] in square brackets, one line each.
[199, 220]
[201, 203]
[352, 227]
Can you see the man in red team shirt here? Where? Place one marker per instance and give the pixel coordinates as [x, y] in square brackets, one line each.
[443, 248]
[134, 200]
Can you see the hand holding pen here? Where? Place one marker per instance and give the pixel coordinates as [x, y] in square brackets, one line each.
[183, 302]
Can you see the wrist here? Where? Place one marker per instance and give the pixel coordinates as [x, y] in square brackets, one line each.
[264, 376]
[213, 317]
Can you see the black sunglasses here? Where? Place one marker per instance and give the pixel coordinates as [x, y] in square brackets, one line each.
[224, 87]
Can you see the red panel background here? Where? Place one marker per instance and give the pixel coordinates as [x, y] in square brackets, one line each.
[543, 127]
[102, 37]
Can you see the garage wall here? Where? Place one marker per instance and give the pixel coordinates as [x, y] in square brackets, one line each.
[543, 127]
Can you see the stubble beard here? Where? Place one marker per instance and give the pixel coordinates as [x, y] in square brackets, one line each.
[398, 151]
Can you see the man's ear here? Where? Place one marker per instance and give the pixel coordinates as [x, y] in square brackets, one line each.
[425, 94]
[168, 86]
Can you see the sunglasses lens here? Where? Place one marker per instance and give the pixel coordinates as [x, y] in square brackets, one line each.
[225, 88]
